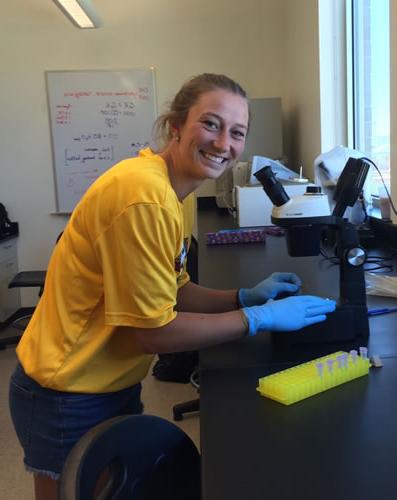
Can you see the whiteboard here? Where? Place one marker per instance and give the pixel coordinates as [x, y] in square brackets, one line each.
[97, 118]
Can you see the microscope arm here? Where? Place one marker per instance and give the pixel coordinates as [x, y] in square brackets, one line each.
[352, 257]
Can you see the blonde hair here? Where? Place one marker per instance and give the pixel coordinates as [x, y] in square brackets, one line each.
[185, 99]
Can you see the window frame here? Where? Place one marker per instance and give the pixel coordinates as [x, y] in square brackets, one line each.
[355, 121]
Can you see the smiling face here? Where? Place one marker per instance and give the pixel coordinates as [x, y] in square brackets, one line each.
[213, 136]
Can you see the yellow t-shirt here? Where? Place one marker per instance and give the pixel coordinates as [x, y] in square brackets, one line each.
[119, 262]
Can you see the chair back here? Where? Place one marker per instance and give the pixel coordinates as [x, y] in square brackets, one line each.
[148, 458]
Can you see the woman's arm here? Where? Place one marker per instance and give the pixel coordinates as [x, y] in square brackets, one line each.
[195, 298]
[205, 317]
[190, 331]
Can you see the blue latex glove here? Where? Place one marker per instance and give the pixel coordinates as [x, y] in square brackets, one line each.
[292, 313]
[270, 288]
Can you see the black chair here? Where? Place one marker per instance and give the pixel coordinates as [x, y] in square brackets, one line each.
[146, 457]
[29, 279]
[25, 279]
[21, 317]
[192, 406]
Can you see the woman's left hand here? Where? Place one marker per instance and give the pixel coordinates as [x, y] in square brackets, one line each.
[270, 288]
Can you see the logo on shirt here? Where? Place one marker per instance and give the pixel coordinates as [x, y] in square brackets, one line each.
[180, 260]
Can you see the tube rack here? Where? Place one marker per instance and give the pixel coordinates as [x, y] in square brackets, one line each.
[307, 379]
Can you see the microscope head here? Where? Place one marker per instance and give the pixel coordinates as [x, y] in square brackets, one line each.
[302, 217]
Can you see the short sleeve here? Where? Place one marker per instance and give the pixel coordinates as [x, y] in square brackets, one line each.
[138, 253]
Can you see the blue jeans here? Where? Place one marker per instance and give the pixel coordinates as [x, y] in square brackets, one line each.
[48, 423]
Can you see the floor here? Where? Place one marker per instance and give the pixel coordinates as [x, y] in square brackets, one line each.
[16, 484]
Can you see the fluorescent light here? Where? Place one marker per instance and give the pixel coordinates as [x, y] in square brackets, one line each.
[80, 12]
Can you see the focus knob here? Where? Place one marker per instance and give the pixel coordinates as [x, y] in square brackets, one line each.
[356, 256]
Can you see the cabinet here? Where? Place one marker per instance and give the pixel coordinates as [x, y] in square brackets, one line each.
[10, 299]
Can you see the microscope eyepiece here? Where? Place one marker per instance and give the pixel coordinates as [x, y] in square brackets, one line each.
[272, 186]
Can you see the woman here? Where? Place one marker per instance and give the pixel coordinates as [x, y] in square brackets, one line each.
[116, 291]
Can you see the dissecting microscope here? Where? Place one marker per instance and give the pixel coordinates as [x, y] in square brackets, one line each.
[306, 219]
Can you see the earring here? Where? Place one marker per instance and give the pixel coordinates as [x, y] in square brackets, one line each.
[177, 138]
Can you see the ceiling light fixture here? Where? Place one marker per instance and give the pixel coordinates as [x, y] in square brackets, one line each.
[80, 12]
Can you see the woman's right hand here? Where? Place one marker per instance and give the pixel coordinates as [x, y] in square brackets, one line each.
[292, 313]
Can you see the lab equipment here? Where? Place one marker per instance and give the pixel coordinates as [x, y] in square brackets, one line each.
[363, 352]
[330, 364]
[238, 190]
[241, 178]
[305, 218]
[300, 179]
[254, 209]
[354, 354]
[307, 379]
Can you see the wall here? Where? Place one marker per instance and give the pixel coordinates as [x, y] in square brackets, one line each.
[267, 45]
[333, 73]
[302, 124]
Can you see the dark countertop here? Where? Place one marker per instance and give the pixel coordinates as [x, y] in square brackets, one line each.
[339, 444]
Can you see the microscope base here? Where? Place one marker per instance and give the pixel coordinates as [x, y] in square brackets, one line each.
[349, 323]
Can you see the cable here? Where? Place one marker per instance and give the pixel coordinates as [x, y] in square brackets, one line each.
[377, 268]
[334, 260]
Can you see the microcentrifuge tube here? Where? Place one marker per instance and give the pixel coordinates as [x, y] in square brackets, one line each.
[354, 355]
[320, 368]
[363, 352]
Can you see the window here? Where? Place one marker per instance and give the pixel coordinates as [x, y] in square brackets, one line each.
[369, 93]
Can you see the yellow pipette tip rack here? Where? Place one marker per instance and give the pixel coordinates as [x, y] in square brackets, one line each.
[307, 379]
